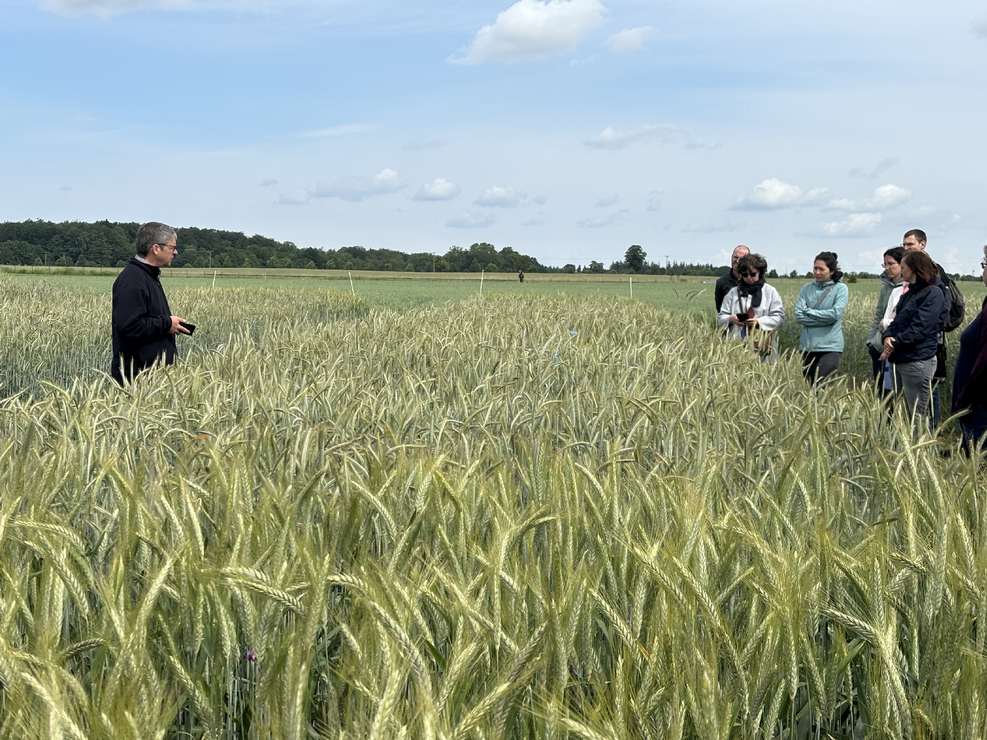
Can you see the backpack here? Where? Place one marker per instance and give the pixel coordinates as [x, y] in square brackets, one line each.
[956, 302]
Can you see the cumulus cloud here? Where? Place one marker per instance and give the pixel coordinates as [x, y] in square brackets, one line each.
[611, 139]
[471, 220]
[608, 200]
[723, 227]
[420, 145]
[769, 195]
[979, 26]
[438, 189]
[359, 187]
[884, 198]
[630, 39]
[858, 224]
[506, 197]
[532, 29]
[883, 166]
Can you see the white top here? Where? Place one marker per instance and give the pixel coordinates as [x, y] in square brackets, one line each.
[889, 311]
[770, 314]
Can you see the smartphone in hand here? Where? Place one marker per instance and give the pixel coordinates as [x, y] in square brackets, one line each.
[188, 326]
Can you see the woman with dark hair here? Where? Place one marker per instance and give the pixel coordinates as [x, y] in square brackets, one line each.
[819, 310]
[890, 280]
[970, 376]
[910, 340]
[753, 309]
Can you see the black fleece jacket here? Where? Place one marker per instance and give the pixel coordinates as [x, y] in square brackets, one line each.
[141, 321]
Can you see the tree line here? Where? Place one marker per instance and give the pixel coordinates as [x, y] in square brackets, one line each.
[111, 244]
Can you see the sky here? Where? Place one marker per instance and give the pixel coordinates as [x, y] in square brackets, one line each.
[565, 129]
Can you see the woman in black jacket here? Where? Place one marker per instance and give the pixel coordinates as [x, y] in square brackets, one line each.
[910, 341]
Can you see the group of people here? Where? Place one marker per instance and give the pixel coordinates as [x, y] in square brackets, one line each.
[918, 303]
[749, 308]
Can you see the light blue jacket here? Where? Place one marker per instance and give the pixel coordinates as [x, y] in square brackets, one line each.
[822, 327]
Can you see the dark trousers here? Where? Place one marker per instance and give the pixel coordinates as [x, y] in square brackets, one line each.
[816, 366]
[974, 427]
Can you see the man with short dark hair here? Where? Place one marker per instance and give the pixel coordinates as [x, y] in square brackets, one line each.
[731, 279]
[143, 327]
[916, 240]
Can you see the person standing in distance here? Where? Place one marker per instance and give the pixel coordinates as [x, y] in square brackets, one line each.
[143, 327]
[731, 279]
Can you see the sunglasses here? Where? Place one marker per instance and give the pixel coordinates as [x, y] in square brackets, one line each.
[748, 273]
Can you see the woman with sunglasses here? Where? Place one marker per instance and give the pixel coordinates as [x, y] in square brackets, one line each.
[819, 310]
[970, 376]
[753, 309]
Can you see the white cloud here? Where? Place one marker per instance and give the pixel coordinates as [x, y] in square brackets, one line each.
[342, 130]
[607, 201]
[630, 39]
[715, 228]
[294, 198]
[358, 187]
[888, 196]
[506, 197]
[816, 196]
[883, 166]
[858, 224]
[438, 189]
[106, 8]
[531, 29]
[468, 220]
[601, 223]
[770, 194]
[420, 145]
[611, 139]
[884, 198]
[979, 26]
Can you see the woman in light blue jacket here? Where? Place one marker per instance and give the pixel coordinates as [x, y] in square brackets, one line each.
[819, 311]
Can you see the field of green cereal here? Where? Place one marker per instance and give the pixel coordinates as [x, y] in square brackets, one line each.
[546, 511]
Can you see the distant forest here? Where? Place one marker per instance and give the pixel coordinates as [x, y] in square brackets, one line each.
[109, 244]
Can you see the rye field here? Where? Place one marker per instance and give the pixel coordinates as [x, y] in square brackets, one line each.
[547, 511]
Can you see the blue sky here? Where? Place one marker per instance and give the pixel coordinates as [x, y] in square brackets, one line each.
[566, 129]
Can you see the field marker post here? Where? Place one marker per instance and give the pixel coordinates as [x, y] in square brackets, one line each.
[214, 279]
[481, 281]
[630, 281]
[352, 290]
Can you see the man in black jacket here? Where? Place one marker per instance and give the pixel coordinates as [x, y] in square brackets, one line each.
[731, 279]
[143, 328]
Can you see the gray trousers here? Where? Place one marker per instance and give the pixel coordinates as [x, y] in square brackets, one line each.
[914, 380]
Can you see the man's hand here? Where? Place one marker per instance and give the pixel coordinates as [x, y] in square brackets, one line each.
[176, 326]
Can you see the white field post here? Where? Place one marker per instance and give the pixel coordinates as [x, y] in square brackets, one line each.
[481, 281]
[630, 282]
[352, 289]
[214, 279]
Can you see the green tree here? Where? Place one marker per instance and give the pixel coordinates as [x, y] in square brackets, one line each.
[634, 257]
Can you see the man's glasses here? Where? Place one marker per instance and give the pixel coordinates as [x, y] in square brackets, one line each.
[983, 264]
[169, 247]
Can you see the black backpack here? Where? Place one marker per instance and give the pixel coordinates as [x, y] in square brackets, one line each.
[956, 303]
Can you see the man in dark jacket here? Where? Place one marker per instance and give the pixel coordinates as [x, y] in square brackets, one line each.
[731, 279]
[143, 328]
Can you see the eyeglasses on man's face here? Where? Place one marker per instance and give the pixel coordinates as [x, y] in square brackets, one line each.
[169, 247]
[983, 264]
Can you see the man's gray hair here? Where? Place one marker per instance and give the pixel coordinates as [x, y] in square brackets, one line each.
[153, 233]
